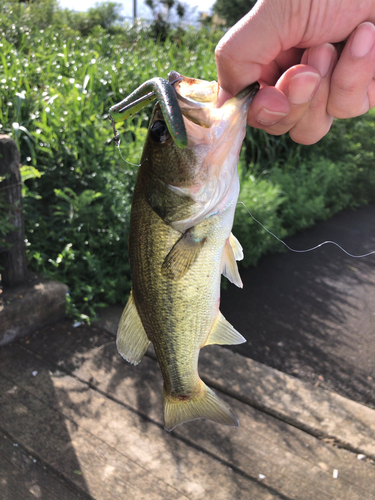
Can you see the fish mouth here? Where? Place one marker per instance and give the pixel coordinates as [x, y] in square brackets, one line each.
[194, 91]
[198, 99]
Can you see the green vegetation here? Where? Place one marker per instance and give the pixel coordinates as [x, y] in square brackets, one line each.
[232, 11]
[289, 187]
[164, 13]
[59, 75]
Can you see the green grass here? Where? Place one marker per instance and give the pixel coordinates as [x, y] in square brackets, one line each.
[56, 88]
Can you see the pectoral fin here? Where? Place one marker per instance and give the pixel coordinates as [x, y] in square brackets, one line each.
[132, 340]
[223, 333]
[232, 252]
[183, 255]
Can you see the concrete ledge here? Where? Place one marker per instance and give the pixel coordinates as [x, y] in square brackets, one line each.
[319, 412]
[30, 306]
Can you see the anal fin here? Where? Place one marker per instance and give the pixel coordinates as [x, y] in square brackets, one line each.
[132, 340]
[223, 333]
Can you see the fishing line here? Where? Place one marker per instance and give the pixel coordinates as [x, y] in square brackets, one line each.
[117, 140]
[308, 249]
[119, 150]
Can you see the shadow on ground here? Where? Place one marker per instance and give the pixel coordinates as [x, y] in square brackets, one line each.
[312, 315]
[33, 435]
[90, 355]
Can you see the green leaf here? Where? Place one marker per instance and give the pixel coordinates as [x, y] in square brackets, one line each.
[30, 172]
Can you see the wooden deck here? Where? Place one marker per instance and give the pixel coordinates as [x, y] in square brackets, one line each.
[78, 422]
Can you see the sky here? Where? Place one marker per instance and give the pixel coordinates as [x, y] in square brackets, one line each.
[142, 10]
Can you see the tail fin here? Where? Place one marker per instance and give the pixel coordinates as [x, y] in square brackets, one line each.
[201, 404]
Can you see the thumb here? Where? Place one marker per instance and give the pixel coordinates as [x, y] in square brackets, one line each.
[256, 40]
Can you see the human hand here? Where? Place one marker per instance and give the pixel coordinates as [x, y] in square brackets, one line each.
[306, 80]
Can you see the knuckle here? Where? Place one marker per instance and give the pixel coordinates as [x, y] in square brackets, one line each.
[302, 138]
[277, 129]
[222, 53]
[344, 108]
[310, 135]
[347, 98]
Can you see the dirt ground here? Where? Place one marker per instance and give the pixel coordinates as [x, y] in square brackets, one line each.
[312, 315]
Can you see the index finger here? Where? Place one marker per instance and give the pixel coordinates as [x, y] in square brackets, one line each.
[251, 44]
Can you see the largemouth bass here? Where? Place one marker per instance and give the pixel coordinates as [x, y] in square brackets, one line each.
[180, 243]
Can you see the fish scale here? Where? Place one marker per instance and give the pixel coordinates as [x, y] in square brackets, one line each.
[180, 243]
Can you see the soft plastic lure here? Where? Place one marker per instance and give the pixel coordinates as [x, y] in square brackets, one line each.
[163, 91]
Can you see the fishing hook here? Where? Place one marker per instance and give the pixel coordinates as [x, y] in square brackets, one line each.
[116, 135]
[163, 91]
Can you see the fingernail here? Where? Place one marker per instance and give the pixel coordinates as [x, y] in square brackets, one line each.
[363, 40]
[268, 117]
[321, 58]
[302, 87]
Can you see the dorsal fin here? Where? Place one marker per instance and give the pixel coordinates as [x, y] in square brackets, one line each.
[229, 266]
[236, 246]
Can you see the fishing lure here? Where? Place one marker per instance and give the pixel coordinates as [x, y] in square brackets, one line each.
[163, 91]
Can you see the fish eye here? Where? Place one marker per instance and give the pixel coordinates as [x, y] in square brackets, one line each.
[159, 131]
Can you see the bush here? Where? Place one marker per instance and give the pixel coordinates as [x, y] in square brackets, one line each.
[307, 185]
[56, 87]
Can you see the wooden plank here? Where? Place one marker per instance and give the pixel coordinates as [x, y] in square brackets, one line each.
[22, 476]
[318, 411]
[111, 442]
[55, 439]
[321, 413]
[291, 460]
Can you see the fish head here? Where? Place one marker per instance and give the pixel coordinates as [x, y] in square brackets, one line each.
[205, 171]
[162, 157]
